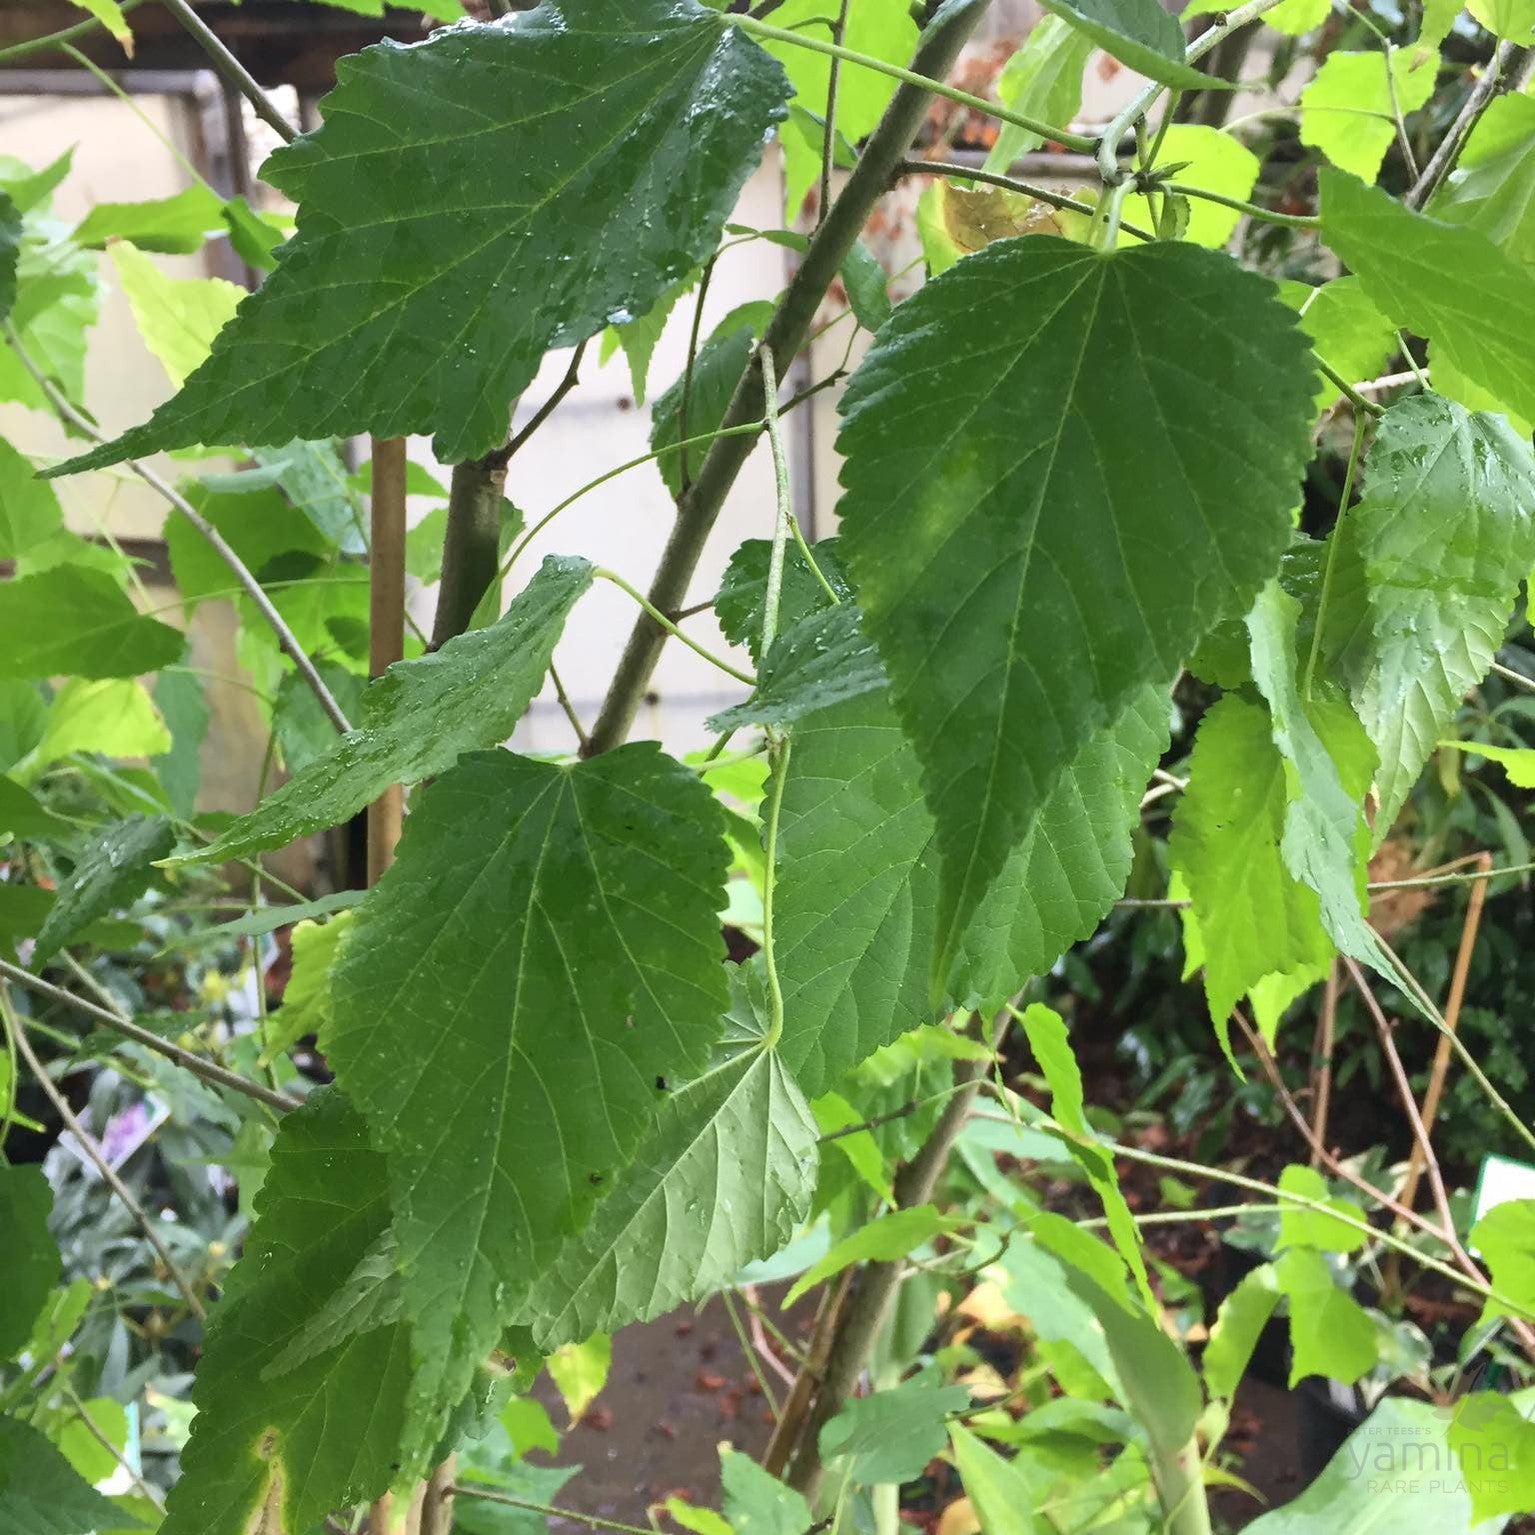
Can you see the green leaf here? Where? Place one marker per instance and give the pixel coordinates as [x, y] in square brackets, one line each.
[1513, 19]
[1292, 17]
[1517, 761]
[988, 508]
[288, 1446]
[823, 660]
[743, 589]
[640, 336]
[10, 252]
[178, 317]
[116, 717]
[72, 621]
[110, 14]
[1043, 80]
[1331, 1334]
[1303, 1227]
[1254, 917]
[835, 1116]
[428, 169]
[882, 28]
[113, 870]
[254, 236]
[1138, 33]
[883, 1240]
[1348, 332]
[1443, 281]
[867, 284]
[756, 1502]
[306, 1001]
[1218, 162]
[29, 510]
[1493, 1442]
[1492, 188]
[22, 816]
[42, 1494]
[183, 707]
[542, 954]
[1394, 1472]
[171, 226]
[1003, 1495]
[1505, 1239]
[32, 1256]
[1446, 528]
[1346, 110]
[1234, 1334]
[1051, 1045]
[580, 1371]
[890, 1437]
[723, 1177]
[1326, 839]
[420, 716]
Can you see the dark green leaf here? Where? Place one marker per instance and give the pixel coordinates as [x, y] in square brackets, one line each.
[867, 284]
[32, 1256]
[420, 715]
[1444, 281]
[255, 238]
[277, 1449]
[1446, 529]
[545, 948]
[114, 870]
[42, 1494]
[1139, 33]
[756, 1502]
[23, 817]
[743, 590]
[465, 199]
[891, 1436]
[1020, 426]
[179, 698]
[175, 226]
[75, 621]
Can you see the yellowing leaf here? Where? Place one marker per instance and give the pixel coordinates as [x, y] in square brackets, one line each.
[1517, 761]
[580, 1371]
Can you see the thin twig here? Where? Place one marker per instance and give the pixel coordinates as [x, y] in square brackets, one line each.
[209, 1071]
[601, 573]
[1508, 674]
[23, 1046]
[386, 624]
[241, 572]
[226, 65]
[60, 39]
[833, 79]
[1321, 1091]
[1442, 162]
[582, 740]
[95, 1430]
[747, 1348]
[572, 377]
[685, 402]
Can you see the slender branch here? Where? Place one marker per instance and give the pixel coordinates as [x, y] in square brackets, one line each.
[1397, 116]
[23, 1046]
[1333, 543]
[783, 507]
[791, 1422]
[779, 757]
[698, 511]
[1326, 1033]
[209, 1071]
[658, 617]
[1508, 674]
[1350, 393]
[1444, 157]
[685, 404]
[61, 38]
[1252, 210]
[241, 572]
[95, 1430]
[542, 414]
[749, 1352]
[1012, 184]
[226, 65]
[386, 625]
[833, 80]
[471, 546]
[569, 710]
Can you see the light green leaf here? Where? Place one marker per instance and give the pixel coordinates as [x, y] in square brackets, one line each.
[32, 1256]
[543, 954]
[640, 336]
[1346, 110]
[110, 14]
[988, 509]
[178, 317]
[1326, 839]
[29, 510]
[74, 621]
[1303, 1227]
[756, 1502]
[722, 1179]
[1292, 17]
[1394, 1472]
[1002, 1492]
[1517, 761]
[835, 1116]
[1043, 80]
[882, 1240]
[882, 28]
[1447, 532]
[182, 705]
[1051, 1045]
[306, 1001]
[890, 1437]
[1254, 917]
[114, 716]
[580, 1371]
[1216, 161]
[1443, 281]
[113, 870]
[1513, 19]
[42, 1494]
[1505, 1238]
[1493, 1441]
[1234, 1334]
[420, 715]
[1348, 332]
[171, 226]
[465, 193]
[1138, 33]
[1331, 1334]
[290, 1446]
[1492, 188]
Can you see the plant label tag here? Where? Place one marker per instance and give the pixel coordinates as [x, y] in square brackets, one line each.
[1499, 1180]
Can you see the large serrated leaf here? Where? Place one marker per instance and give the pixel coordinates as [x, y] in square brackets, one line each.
[292, 1444]
[543, 955]
[79, 622]
[42, 1494]
[470, 202]
[420, 715]
[1446, 529]
[1062, 468]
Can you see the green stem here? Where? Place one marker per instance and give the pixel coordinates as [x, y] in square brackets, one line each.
[61, 38]
[1252, 210]
[1079, 142]
[231, 70]
[783, 507]
[1333, 540]
[1352, 395]
[657, 616]
[779, 756]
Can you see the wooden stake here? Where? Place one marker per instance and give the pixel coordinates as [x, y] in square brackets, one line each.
[386, 634]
